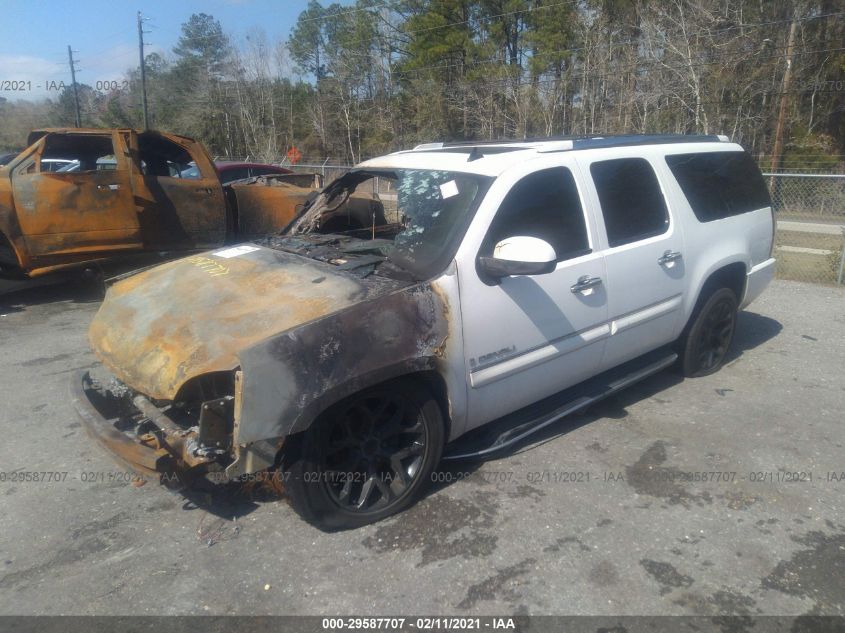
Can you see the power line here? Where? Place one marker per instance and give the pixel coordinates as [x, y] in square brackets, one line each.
[638, 66]
[492, 17]
[339, 13]
[627, 43]
[706, 31]
[642, 65]
[550, 6]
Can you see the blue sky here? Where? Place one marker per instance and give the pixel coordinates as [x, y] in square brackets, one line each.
[34, 35]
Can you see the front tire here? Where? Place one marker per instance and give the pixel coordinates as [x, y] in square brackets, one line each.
[706, 341]
[365, 458]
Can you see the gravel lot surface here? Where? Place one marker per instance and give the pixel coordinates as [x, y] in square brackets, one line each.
[714, 495]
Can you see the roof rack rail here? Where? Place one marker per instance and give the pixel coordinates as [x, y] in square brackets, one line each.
[563, 143]
[423, 146]
[553, 144]
[622, 140]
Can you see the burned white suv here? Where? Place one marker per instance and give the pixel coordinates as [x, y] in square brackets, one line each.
[443, 302]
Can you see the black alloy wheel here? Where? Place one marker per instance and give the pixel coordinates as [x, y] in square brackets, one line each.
[374, 451]
[365, 458]
[709, 339]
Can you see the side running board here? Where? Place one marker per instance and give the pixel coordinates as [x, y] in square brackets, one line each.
[505, 432]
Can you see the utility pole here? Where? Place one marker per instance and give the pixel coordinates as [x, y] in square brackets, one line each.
[777, 149]
[143, 71]
[73, 83]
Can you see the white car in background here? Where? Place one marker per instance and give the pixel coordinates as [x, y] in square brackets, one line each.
[59, 164]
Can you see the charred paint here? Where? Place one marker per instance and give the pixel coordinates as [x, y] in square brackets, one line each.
[262, 209]
[299, 321]
[155, 344]
[58, 219]
[290, 378]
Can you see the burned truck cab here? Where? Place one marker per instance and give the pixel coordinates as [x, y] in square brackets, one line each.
[94, 198]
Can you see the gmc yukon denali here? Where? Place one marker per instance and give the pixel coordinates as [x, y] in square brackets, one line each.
[499, 288]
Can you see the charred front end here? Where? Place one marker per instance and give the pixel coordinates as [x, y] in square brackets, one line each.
[210, 362]
[189, 436]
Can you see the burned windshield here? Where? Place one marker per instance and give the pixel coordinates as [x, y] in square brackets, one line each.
[415, 217]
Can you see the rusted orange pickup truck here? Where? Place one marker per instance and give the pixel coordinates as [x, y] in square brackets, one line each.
[78, 197]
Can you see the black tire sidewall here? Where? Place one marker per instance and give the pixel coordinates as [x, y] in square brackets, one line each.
[689, 357]
[307, 492]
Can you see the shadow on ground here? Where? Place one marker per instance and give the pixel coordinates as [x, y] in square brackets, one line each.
[752, 330]
[17, 296]
[228, 503]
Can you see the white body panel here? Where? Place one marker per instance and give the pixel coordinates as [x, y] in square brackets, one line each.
[527, 337]
[645, 297]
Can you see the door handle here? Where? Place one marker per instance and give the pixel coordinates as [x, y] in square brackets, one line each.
[585, 283]
[206, 190]
[112, 187]
[668, 257]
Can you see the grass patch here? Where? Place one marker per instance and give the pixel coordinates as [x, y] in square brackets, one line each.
[809, 240]
[806, 267]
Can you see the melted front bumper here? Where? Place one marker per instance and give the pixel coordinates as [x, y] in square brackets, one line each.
[163, 448]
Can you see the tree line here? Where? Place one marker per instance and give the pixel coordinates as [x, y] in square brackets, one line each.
[357, 80]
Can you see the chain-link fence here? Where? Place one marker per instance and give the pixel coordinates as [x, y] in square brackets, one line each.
[330, 168]
[329, 171]
[810, 237]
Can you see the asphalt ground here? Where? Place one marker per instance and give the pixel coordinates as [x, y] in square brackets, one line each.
[717, 495]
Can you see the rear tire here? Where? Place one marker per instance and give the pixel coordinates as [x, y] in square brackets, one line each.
[365, 458]
[707, 338]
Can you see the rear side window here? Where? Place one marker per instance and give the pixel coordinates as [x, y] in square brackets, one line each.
[163, 158]
[544, 204]
[631, 201]
[77, 152]
[719, 184]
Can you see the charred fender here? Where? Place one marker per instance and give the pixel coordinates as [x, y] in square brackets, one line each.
[290, 378]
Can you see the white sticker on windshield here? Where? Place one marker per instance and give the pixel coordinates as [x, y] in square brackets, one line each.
[449, 189]
[235, 251]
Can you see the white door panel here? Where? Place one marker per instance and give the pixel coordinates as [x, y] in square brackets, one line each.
[531, 336]
[528, 337]
[646, 279]
[645, 308]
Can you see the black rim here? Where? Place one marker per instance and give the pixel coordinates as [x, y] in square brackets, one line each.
[715, 334]
[373, 452]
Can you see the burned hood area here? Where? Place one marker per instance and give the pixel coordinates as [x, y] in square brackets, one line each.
[161, 327]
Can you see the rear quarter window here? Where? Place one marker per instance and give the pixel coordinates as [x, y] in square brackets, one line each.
[719, 184]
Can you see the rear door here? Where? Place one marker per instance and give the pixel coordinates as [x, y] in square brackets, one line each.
[182, 208]
[82, 212]
[646, 275]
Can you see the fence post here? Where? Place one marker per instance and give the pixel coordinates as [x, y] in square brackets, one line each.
[841, 259]
[812, 237]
